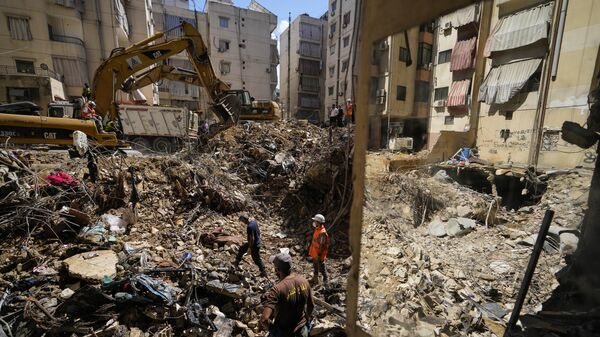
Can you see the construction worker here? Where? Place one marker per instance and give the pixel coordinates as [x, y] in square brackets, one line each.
[87, 92]
[89, 112]
[253, 243]
[291, 299]
[348, 115]
[318, 248]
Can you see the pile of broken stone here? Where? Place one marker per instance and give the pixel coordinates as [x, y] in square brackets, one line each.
[449, 274]
[88, 259]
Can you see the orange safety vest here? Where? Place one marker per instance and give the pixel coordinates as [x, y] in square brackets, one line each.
[348, 110]
[315, 246]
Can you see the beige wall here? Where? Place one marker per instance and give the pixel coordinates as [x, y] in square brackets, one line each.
[401, 75]
[567, 99]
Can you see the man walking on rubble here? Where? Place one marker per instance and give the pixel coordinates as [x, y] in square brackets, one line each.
[253, 243]
[291, 299]
[318, 248]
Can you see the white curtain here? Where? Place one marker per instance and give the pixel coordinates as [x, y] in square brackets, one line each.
[520, 29]
[504, 81]
[73, 71]
[19, 28]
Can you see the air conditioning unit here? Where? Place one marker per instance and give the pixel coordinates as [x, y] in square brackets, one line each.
[448, 25]
[401, 143]
[440, 103]
[380, 100]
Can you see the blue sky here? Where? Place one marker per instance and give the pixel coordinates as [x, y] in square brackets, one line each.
[314, 8]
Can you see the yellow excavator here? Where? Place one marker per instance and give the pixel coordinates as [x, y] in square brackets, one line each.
[118, 72]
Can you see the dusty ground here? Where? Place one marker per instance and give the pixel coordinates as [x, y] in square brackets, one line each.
[417, 284]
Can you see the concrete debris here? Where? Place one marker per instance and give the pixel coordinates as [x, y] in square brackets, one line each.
[461, 279]
[92, 266]
[148, 249]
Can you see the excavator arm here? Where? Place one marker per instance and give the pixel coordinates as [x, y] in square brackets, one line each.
[116, 72]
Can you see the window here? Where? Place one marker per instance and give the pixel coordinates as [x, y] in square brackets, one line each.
[508, 115]
[346, 20]
[223, 46]
[404, 56]
[225, 68]
[333, 7]
[310, 49]
[421, 91]
[424, 57]
[332, 49]
[331, 71]
[73, 71]
[346, 41]
[449, 120]
[345, 65]
[428, 27]
[309, 67]
[444, 56]
[223, 22]
[309, 83]
[332, 28]
[440, 94]
[401, 93]
[24, 66]
[22, 94]
[533, 84]
[330, 91]
[19, 28]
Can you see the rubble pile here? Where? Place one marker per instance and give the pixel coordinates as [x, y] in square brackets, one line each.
[148, 249]
[453, 260]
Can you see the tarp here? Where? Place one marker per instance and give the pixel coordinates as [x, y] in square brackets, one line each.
[463, 55]
[503, 82]
[462, 16]
[520, 29]
[459, 91]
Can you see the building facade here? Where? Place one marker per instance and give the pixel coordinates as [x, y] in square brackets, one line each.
[302, 76]
[341, 40]
[50, 49]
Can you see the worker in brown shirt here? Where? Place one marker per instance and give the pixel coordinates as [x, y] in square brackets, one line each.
[291, 300]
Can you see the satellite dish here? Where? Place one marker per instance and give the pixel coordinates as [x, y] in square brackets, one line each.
[44, 66]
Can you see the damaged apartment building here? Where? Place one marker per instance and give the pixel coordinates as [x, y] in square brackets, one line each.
[51, 49]
[503, 76]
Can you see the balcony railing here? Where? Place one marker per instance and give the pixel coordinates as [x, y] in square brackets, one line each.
[67, 39]
[12, 70]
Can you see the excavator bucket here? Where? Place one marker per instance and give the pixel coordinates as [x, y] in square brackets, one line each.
[228, 110]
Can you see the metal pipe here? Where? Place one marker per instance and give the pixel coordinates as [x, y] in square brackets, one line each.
[559, 37]
[533, 260]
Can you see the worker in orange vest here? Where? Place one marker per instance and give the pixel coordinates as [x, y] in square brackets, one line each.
[318, 248]
[349, 113]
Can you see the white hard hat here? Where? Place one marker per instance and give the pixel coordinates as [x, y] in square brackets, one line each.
[319, 218]
[92, 103]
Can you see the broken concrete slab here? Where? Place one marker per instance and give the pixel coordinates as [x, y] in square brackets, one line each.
[226, 289]
[92, 266]
[436, 228]
[459, 227]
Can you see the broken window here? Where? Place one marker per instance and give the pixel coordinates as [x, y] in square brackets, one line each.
[18, 27]
[400, 93]
[25, 66]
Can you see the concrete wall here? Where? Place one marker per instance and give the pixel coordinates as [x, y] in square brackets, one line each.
[567, 99]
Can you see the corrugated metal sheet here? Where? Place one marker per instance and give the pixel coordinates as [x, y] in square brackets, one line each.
[463, 55]
[504, 81]
[520, 29]
[459, 92]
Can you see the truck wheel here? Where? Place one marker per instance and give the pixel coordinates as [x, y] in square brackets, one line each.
[162, 145]
[140, 144]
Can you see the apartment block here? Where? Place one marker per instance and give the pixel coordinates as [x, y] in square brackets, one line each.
[538, 65]
[241, 48]
[341, 40]
[400, 87]
[455, 40]
[302, 47]
[50, 49]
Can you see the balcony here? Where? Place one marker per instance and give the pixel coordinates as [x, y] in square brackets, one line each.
[121, 18]
[67, 39]
[37, 72]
